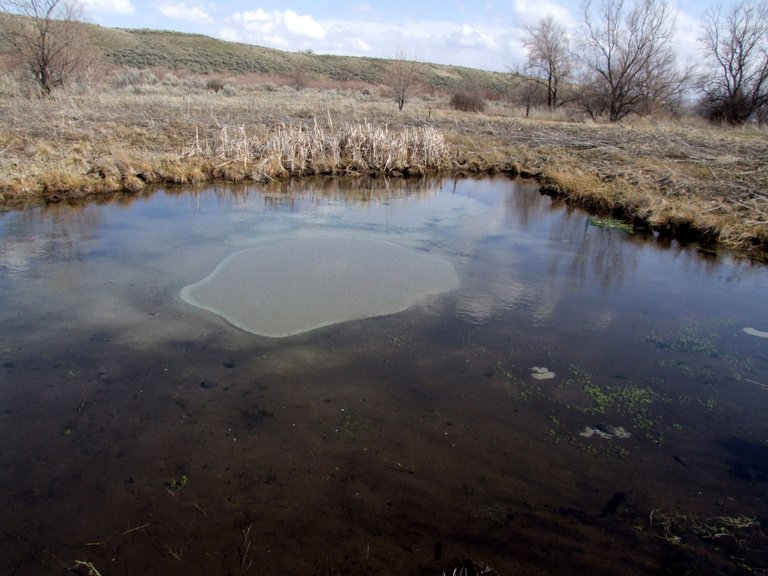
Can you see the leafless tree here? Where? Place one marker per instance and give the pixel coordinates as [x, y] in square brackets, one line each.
[526, 89]
[737, 44]
[45, 37]
[549, 57]
[628, 62]
[401, 75]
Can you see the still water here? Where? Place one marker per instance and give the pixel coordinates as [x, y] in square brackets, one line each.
[581, 400]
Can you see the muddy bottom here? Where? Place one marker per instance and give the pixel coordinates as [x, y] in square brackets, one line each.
[143, 436]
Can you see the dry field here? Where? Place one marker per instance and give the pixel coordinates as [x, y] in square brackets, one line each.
[684, 180]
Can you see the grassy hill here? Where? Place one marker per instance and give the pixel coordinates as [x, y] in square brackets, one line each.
[205, 55]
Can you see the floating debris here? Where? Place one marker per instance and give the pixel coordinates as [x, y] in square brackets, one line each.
[468, 568]
[606, 432]
[541, 373]
[753, 332]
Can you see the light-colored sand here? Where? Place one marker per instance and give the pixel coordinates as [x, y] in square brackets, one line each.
[298, 284]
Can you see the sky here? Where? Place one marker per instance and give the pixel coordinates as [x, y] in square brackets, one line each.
[485, 35]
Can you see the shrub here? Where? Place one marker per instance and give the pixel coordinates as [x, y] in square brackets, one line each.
[468, 101]
[214, 84]
[133, 77]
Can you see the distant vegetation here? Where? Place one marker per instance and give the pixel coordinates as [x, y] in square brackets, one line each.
[177, 52]
[620, 63]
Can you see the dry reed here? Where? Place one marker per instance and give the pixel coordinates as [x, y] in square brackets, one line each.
[301, 149]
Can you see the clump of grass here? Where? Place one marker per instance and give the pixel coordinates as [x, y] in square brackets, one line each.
[303, 149]
[578, 186]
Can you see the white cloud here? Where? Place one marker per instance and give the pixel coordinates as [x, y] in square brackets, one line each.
[474, 41]
[532, 11]
[108, 6]
[475, 37]
[185, 12]
[280, 29]
[361, 44]
[303, 25]
[688, 31]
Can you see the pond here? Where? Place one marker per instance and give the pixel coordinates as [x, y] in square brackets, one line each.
[375, 377]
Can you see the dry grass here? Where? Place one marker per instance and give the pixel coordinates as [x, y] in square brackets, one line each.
[687, 181]
[300, 150]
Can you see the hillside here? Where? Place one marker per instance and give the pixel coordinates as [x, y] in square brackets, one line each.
[205, 55]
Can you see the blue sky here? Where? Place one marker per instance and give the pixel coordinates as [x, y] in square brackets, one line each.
[485, 35]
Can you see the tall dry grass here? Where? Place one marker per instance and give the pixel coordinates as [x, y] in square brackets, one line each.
[349, 148]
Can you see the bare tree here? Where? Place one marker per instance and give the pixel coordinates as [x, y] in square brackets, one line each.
[627, 58]
[737, 44]
[43, 35]
[401, 75]
[549, 57]
[526, 89]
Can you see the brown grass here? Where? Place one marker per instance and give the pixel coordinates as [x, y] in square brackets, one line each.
[682, 179]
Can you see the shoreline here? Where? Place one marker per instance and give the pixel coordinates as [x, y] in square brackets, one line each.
[691, 183]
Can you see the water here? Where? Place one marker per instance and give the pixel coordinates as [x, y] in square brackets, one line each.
[144, 435]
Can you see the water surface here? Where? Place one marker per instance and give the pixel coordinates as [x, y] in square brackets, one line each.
[290, 285]
[583, 401]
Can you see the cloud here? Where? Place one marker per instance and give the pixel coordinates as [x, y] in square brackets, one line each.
[108, 6]
[688, 31]
[475, 41]
[278, 28]
[530, 12]
[471, 36]
[303, 25]
[185, 12]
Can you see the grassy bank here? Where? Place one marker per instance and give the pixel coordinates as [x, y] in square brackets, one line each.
[690, 182]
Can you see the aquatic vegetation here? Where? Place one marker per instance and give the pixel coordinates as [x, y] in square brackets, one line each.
[676, 364]
[403, 341]
[708, 376]
[351, 426]
[178, 484]
[635, 398]
[738, 538]
[611, 224]
[691, 340]
[721, 363]
[601, 400]
[628, 400]
[516, 387]
[503, 372]
[710, 404]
